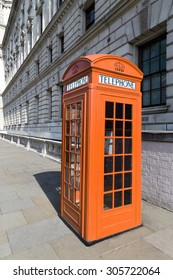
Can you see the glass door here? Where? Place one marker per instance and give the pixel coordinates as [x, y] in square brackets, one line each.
[72, 162]
[119, 189]
[118, 153]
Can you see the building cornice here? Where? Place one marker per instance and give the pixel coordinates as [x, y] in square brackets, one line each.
[12, 17]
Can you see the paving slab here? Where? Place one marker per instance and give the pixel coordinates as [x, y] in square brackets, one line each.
[137, 250]
[15, 205]
[43, 252]
[129, 236]
[12, 220]
[36, 234]
[7, 193]
[3, 237]
[155, 217]
[35, 214]
[5, 250]
[162, 240]
[71, 247]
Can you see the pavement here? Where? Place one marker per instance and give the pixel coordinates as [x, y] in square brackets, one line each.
[30, 228]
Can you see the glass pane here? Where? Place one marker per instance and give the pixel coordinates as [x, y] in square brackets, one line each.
[107, 183]
[119, 128]
[67, 174]
[73, 106]
[117, 199]
[154, 50]
[73, 149]
[108, 164]
[108, 128]
[119, 111]
[163, 79]
[67, 158]
[73, 140]
[66, 190]
[154, 65]
[127, 163]
[128, 112]
[155, 97]
[72, 160]
[78, 180]
[78, 144]
[73, 128]
[128, 129]
[163, 100]
[146, 68]
[155, 81]
[146, 98]
[118, 181]
[67, 140]
[67, 127]
[78, 127]
[128, 180]
[79, 110]
[163, 62]
[163, 46]
[145, 53]
[109, 110]
[68, 112]
[72, 177]
[118, 163]
[108, 146]
[146, 84]
[71, 194]
[77, 162]
[128, 146]
[107, 201]
[127, 197]
[119, 146]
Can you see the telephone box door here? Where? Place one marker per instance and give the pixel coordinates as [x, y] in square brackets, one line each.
[120, 203]
[72, 202]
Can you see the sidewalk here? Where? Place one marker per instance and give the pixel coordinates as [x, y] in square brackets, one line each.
[31, 229]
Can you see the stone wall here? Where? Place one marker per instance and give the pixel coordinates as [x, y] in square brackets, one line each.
[46, 148]
[157, 169]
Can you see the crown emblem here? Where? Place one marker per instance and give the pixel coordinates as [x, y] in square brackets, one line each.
[119, 67]
[75, 69]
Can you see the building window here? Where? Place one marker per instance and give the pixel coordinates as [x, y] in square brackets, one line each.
[41, 22]
[27, 112]
[49, 97]
[50, 50]
[62, 42]
[90, 15]
[153, 64]
[37, 64]
[20, 114]
[37, 108]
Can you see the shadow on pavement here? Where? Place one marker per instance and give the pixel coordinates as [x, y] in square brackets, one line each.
[50, 183]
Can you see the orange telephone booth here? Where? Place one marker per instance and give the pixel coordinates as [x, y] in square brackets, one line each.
[101, 146]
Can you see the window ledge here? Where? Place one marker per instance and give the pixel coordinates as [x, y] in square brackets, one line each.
[155, 110]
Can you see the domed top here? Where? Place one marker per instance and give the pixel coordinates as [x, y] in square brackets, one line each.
[103, 62]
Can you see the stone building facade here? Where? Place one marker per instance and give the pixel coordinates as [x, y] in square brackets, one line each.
[43, 37]
[4, 14]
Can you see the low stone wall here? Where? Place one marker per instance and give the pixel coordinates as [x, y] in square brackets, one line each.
[45, 147]
[157, 169]
[157, 162]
